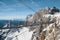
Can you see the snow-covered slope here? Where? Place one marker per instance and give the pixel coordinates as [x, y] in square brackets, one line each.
[17, 34]
[24, 34]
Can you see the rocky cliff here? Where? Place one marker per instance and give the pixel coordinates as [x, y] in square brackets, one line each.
[47, 24]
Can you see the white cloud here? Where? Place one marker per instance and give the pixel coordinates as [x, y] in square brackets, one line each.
[2, 3]
[35, 3]
[12, 17]
[8, 8]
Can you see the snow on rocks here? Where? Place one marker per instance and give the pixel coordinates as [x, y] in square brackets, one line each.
[24, 34]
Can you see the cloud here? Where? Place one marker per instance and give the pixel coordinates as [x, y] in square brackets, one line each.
[9, 11]
[2, 3]
[12, 17]
[4, 7]
[35, 3]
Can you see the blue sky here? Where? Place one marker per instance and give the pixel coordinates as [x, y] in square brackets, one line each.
[19, 9]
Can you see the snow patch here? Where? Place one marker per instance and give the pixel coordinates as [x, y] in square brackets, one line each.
[24, 34]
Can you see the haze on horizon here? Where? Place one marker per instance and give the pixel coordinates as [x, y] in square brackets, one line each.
[19, 9]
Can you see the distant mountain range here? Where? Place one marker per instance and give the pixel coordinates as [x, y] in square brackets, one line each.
[13, 22]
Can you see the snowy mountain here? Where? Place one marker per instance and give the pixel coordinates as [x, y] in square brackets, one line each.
[24, 34]
[16, 34]
[43, 25]
[49, 24]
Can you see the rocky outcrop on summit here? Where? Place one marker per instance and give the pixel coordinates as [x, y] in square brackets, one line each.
[47, 24]
[39, 15]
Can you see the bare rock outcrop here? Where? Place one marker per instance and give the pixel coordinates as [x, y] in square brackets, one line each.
[45, 24]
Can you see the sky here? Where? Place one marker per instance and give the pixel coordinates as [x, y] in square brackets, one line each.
[19, 9]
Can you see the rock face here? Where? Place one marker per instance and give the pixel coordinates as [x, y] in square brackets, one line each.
[38, 16]
[48, 24]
